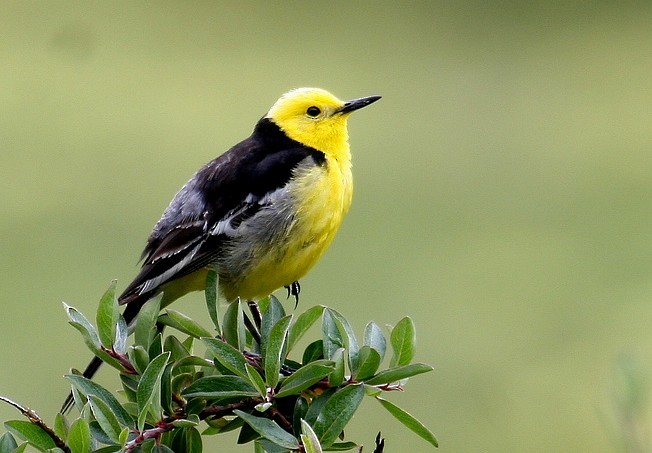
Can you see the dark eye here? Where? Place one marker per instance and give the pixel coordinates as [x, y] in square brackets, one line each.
[313, 111]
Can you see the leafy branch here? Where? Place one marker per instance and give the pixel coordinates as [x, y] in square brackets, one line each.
[243, 379]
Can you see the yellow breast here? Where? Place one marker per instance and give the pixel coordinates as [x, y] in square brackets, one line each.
[323, 196]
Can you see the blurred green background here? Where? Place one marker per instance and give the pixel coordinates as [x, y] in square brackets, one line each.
[502, 196]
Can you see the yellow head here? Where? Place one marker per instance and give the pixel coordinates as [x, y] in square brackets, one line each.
[316, 118]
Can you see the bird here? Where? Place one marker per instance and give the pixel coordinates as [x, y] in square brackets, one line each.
[261, 214]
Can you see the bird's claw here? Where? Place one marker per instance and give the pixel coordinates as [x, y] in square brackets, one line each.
[380, 444]
[293, 290]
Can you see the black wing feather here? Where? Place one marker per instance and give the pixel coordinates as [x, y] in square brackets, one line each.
[182, 237]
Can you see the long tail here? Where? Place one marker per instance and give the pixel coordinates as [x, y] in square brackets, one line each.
[130, 313]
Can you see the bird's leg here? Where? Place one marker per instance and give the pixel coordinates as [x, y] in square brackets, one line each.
[253, 327]
[255, 312]
[293, 290]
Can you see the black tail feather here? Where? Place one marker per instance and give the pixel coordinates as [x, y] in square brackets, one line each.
[89, 372]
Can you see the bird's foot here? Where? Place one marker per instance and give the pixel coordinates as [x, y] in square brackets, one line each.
[380, 444]
[293, 290]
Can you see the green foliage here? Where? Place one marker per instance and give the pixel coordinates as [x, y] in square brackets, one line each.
[32, 433]
[243, 379]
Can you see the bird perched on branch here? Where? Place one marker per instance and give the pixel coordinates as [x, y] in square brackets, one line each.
[261, 214]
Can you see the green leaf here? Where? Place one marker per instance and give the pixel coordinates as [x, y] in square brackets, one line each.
[166, 389]
[7, 443]
[263, 445]
[129, 386]
[314, 351]
[256, 379]
[177, 349]
[337, 412]
[263, 407]
[193, 360]
[368, 363]
[269, 430]
[105, 418]
[350, 341]
[109, 449]
[191, 421]
[409, 421]
[30, 432]
[316, 406]
[233, 327]
[403, 340]
[274, 350]
[181, 381]
[121, 334]
[248, 434]
[343, 446]
[79, 399]
[107, 316]
[183, 323]
[98, 435]
[302, 324]
[336, 378]
[148, 394]
[398, 373]
[309, 439]
[299, 412]
[370, 390]
[156, 348]
[305, 376]
[187, 440]
[138, 357]
[88, 387]
[222, 425]
[124, 436]
[373, 336]
[227, 355]
[220, 387]
[146, 322]
[211, 298]
[79, 438]
[188, 343]
[264, 303]
[61, 427]
[271, 316]
[332, 339]
[79, 322]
